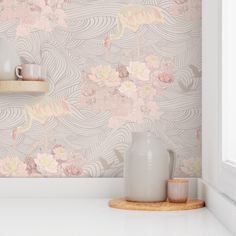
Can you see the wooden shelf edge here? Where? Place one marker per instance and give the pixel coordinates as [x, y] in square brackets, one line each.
[19, 86]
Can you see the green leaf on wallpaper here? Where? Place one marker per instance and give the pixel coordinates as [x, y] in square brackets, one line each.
[196, 72]
[104, 163]
[119, 155]
[183, 86]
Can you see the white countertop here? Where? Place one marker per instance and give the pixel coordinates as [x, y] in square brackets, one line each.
[92, 217]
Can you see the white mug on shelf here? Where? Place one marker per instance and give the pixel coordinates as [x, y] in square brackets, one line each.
[29, 72]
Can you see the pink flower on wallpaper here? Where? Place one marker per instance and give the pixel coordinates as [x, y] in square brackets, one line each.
[140, 111]
[146, 110]
[167, 65]
[101, 99]
[152, 61]
[118, 105]
[74, 165]
[164, 74]
[132, 99]
[60, 153]
[88, 95]
[72, 170]
[59, 162]
[89, 88]
[157, 83]
[123, 71]
[166, 78]
[34, 15]
[133, 115]
[139, 70]
[105, 75]
[46, 164]
[199, 134]
[12, 167]
[151, 110]
[93, 97]
[31, 166]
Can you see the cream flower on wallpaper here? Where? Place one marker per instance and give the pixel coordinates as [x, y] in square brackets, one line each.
[105, 75]
[60, 153]
[147, 91]
[139, 70]
[129, 89]
[12, 166]
[46, 164]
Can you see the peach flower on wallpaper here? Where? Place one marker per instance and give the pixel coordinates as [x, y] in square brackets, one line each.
[34, 15]
[105, 75]
[139, 70]
[46, 164]
[12, 167]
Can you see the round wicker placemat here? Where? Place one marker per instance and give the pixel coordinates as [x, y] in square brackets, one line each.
[121, 203]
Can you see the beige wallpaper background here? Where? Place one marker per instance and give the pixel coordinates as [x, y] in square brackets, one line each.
[113, 67]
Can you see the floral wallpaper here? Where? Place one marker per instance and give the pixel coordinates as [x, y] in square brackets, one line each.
[114, 67]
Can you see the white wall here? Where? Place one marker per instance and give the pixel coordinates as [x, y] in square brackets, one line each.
[210, 91]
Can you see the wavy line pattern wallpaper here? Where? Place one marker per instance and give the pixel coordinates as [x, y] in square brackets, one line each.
[114, 67]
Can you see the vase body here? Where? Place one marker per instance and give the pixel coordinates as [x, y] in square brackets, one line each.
[148, 166]
[8, 60]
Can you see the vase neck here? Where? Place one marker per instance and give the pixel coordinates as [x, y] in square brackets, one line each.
[142, 137]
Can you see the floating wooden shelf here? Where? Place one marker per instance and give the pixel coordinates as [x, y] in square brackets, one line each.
[20, 86]
[155, 206]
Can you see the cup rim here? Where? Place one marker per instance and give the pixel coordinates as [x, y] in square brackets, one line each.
[178, 181]
[30, 64]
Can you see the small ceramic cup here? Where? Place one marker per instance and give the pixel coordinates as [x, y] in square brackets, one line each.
[177, 190]
[29, 72]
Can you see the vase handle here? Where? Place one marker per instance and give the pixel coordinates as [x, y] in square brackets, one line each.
[18, 72]
[171, 163]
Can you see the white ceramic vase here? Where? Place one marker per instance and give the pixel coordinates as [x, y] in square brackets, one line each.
[9, 59]
[148, 166]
